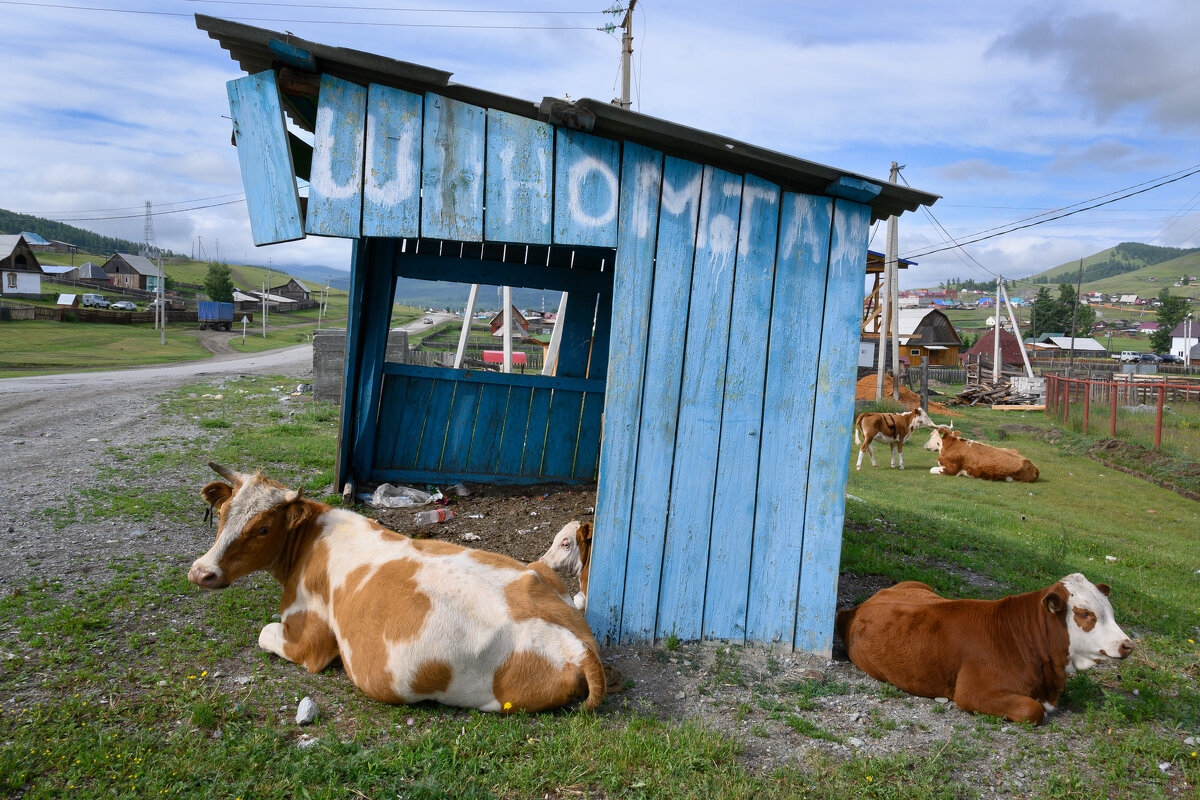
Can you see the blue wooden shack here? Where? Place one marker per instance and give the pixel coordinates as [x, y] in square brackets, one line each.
[724, 394]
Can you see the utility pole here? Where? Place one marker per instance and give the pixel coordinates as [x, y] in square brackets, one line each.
[268, 289]
[889, 302]
[996, 335]
[626, 53]
[1074, 316]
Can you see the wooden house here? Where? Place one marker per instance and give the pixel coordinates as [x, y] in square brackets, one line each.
[292, 290]
[91, 272]
[520, 325]
[20, 272]
[1010, 348]
[681, 235]
[128, 271]
[926, 336]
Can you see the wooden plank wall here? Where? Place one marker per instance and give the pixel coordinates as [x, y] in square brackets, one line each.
[747, 362]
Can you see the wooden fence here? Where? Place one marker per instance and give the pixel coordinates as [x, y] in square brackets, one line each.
[1123, 390]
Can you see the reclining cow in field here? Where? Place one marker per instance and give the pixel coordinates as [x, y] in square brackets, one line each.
[959, 456]
[571, 550]
[1008, 658]
[411, 619]
[894, 429]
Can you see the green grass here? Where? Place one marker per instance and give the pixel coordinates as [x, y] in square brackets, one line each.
[113, 690]
[39, 346]
[255, 342]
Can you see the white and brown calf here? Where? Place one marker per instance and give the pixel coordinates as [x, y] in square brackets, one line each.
[894, 429]
[972, 459]
[411, 619]
[571, 551]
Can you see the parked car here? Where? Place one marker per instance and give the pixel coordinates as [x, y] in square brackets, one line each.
[1168, 358]
[93, 301]
[1129, 356]
[1148, 358]
[427, 321]
[123, 305]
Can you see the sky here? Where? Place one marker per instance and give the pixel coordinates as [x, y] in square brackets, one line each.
[1007, 110]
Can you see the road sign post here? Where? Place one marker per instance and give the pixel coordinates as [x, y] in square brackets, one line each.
[245, 320]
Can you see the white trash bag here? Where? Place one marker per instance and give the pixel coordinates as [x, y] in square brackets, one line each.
[389, 496]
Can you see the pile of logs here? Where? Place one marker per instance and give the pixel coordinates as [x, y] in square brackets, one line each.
[989, 393]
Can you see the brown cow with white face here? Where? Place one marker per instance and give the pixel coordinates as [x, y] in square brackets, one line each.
[958, 456]
[411, 619]
[1008, 658]
[571, 550]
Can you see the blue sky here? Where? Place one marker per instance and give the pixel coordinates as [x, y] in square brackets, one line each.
[1007, 110]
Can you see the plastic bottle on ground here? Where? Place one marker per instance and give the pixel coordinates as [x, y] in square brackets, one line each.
[432, 515]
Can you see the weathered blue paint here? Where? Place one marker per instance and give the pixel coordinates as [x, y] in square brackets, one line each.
[855, 189]
[586, 189]
[412, 419]
[452, 170]
[795, 342]
[676, 246]
[535, 433]
[519, 184]
[489, 424]
[742, 415]
[354, 323]
[293, 56]
[512, 438]
[265, 159]
[437, 419]
[633, 283]
[461, 428]
[392, 183]
[825, 508]
[693, 482]
[493, 273]
[375, 258]
[335, 183]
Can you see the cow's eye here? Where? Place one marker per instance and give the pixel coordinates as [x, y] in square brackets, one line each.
[566, 544]
[262, 531]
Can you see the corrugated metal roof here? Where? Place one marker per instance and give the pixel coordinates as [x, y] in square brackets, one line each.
[140, 264]
[249, 47]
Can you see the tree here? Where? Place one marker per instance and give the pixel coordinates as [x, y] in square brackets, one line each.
[1084, 316]
[1045, 316]
[1170, 314]
[218, 283]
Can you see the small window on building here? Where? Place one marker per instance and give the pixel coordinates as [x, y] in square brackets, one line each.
[914, 352]
[12, 280]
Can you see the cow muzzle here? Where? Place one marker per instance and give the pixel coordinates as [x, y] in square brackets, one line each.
[206, 576]
[1123, 650]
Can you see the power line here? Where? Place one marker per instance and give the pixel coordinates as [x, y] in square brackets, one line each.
[128, 208]
[305, 21]
[1013, 227]
[156, 213]
[960, 252]
[426, 10]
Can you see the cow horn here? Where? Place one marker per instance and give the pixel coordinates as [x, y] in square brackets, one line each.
[227, 474]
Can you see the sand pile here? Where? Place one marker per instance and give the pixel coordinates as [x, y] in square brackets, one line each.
[865, 390]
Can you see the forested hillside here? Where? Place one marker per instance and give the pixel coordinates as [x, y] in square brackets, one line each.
[87, 241]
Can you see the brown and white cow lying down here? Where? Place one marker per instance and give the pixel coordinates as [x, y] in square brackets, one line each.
[1008, 658]
[959, 456]
[895, 429]
[411, 619]
[571, 551]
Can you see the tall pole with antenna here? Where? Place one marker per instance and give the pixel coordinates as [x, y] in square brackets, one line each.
[996, 334]
[626, 53]
[1074, 314]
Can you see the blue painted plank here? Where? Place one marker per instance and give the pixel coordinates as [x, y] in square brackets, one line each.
[856, 189]
[411, 422]
[562, 433]
[825, 509]
[268, 176]
[376, 312]
[433, 436]
[586, 189]
[660, 394]
[742, 415]
[452, 171]
[335, 182]
[587, 452]
[789, 397]
[487, 376]
[512, 439]
[693, 482]
[495, 273]
[462, 426]
[390, 403]
[354, 323]
[633, 283]
[392, 182]
[519, 182]
[293, 56]
[598, 357]
[489, 423]
[535, 433]
[412, 477]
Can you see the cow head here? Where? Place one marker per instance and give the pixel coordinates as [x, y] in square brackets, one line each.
[936, 436]
[921, 419]
[1092, 628]
[255, 515]
[571, 548]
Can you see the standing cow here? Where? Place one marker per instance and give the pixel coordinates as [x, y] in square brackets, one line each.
[966, 457]
[411, 619]
[1008, 658]
[895, 429]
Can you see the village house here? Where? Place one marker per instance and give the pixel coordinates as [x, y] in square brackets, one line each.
[1185, 337]
[128, 271]
[20, 272]
[926, 336]
[293, 290]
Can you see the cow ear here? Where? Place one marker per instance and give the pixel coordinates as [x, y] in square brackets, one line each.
[1056, 599]
[296, 513]
[217, 493]
[585, 530]
[1104, 588]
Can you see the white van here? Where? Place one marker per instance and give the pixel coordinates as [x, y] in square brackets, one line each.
[94, 301]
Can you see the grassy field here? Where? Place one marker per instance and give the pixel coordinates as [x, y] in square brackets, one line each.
[40, 346]
[127, 704]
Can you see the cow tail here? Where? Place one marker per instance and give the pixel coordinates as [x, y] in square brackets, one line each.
[597, 684]
[858, 428]
[842, 624]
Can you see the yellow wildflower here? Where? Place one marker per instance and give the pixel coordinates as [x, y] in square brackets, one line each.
[507, 706]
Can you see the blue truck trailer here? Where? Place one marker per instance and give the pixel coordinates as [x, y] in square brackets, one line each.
[215, 315]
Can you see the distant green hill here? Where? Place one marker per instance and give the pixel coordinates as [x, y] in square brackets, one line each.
[1127, 257]
[12, 223]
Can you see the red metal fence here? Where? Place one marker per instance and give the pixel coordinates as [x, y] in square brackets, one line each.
[1126, 390]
